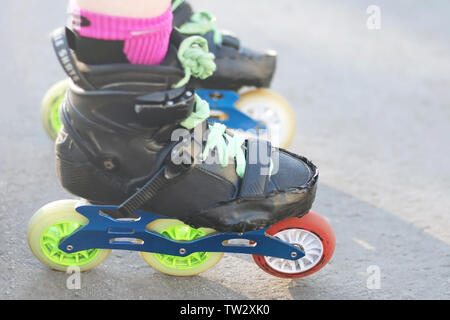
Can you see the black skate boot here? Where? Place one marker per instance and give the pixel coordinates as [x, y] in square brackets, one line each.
[138, 136]
[237, 66]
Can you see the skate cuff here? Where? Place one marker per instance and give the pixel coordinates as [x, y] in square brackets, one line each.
[65, 58]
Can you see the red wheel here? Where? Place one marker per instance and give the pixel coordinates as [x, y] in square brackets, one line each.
[313, 234]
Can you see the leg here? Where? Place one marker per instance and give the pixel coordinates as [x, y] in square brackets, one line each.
[108, 31]
[129, 8]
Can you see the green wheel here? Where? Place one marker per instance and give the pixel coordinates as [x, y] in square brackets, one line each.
[50, 108]
[51, 225]
[191, 265]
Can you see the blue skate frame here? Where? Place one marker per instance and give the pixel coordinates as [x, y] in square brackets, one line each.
[104, 232]
[225, 102]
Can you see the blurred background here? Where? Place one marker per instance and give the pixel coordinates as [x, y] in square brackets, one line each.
[373, 112]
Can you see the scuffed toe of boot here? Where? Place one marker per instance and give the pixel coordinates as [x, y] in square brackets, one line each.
[290, 171]
[265, 200]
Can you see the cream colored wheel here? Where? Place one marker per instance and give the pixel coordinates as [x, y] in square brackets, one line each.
[52, 224]
[273, 111]
[191, 265]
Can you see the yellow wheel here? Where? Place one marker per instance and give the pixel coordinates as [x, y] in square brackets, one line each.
[273, 111]
[51, 225]
[50, 108]
[191, 265]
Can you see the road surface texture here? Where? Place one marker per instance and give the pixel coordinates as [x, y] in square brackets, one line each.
[373, 112]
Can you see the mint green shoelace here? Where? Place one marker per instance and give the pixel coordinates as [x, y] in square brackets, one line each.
[198, 62]
[176, 4]
[201, 23]
[228, 147]
[201, 114]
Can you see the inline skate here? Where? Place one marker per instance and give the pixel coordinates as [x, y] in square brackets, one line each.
[157, 177]
[229, 90]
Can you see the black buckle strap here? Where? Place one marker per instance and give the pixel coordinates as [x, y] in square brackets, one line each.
[257, 172]
[166, 174]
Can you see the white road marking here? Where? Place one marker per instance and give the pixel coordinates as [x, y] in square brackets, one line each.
[364, 244]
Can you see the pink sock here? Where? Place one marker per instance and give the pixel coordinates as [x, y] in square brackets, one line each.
[146, 40]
